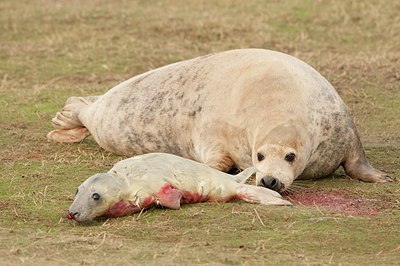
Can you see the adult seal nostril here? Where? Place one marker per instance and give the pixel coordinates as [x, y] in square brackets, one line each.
[271, 183]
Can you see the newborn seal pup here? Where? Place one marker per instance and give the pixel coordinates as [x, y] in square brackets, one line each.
[158, 178]
[239, 108]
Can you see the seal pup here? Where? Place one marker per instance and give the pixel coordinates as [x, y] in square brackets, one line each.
[162, 179]
[234, 109]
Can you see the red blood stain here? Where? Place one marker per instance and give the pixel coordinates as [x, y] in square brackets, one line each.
[147, 202]
[169, 197]
[169, 191]
[121, 208]
[190, 197]
[336, 201]
[166, 189]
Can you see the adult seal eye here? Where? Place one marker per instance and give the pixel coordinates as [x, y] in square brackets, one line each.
[290, 157]
[96, 196]
[260, 157]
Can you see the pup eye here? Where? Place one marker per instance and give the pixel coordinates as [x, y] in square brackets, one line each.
[290, 157]
[260, 157]
[96, 196]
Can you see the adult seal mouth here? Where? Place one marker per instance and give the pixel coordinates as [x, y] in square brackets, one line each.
[141, 182]
[238, 108]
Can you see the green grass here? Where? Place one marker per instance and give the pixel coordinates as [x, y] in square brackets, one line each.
[51, 50]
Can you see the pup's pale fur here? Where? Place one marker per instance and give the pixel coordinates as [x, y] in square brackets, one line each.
[165, 179]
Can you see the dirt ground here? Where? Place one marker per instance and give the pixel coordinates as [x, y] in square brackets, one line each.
[50, 50]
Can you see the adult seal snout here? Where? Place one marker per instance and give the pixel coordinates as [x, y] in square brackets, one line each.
[232, 109]
[272, 183]
[162, 179]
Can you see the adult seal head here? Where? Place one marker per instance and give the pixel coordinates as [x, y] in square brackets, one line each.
[232, 109]
[162, 179]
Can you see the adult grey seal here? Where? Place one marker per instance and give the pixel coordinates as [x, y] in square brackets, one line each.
[231, 109]
[168, 180]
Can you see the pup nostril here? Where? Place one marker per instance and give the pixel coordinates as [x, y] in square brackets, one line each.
[71, 215]
[273, 182]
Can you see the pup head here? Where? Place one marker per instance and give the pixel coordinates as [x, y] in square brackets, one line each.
[95, 197]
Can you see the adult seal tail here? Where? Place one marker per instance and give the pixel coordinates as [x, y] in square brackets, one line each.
[234, 109]
[162, 179]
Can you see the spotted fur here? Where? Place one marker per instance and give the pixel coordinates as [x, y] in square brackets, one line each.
[223, 109]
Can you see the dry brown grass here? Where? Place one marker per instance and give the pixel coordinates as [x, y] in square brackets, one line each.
[50, 50]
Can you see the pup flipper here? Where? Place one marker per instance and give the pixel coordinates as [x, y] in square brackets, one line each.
[245, 174]
[169, 197]
[262, 195]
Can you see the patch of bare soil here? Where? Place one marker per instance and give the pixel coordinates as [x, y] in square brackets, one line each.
[337, 201]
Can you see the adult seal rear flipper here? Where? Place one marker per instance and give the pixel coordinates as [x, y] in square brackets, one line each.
[68, 135]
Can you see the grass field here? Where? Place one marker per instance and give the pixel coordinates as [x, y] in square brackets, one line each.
[50, 50]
